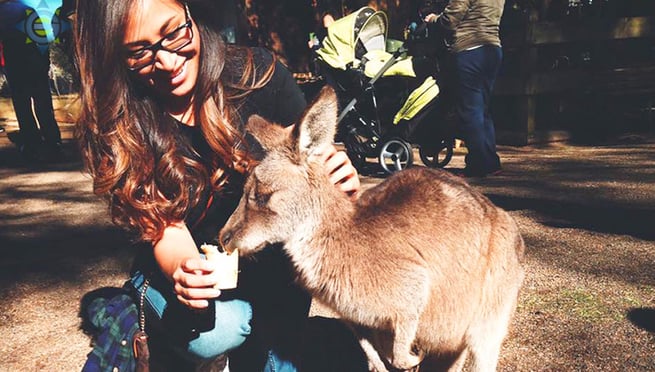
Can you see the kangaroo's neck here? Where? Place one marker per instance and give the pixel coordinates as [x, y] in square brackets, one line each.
[322, 246]
[331, 221]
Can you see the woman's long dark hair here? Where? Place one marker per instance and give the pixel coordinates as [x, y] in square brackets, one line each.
[130, 144]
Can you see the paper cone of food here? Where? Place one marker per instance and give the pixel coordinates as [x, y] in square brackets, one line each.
[227, 265]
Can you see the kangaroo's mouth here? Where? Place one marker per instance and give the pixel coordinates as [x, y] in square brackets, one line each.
[229, 243]
[247, 252]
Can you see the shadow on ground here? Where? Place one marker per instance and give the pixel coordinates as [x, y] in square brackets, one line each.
[611, 219]
[643, 318]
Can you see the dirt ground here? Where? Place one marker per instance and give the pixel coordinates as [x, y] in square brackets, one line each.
[586, 214]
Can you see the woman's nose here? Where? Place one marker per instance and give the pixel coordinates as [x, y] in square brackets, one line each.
[165, 60]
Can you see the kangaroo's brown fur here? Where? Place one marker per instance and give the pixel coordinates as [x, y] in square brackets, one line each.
[422, 265]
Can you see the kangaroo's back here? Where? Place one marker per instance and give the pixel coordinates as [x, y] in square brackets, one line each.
[429, 208]
[420, 191]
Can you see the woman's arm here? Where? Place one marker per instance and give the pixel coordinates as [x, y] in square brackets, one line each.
[450, 18]
[281, 101]
[289, 106]
[453, 14]
[179, 260]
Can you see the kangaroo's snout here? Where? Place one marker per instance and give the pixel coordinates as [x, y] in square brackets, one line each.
[225, 238]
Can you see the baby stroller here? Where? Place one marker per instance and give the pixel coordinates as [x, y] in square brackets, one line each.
[383, 101]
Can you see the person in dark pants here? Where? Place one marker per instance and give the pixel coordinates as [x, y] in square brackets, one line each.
[26, 69]
[472, 27]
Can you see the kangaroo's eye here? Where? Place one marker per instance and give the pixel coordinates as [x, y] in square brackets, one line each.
[260, 194]
[262, 199]
[259, 199]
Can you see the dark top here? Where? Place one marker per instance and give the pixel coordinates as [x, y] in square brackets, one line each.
[280, 101]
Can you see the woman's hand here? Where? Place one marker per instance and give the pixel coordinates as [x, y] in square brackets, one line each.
[431, 18]
[193, 283]
[342, 173]
[193, 278]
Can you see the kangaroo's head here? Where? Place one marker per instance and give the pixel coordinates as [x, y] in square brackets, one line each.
[279, 199]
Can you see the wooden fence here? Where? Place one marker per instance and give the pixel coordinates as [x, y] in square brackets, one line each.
[556, 74]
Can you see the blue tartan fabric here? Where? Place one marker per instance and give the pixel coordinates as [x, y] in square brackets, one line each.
[116, 319]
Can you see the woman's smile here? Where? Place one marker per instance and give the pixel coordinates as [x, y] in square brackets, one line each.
[176, 78]
[180, 75]
[153, 24]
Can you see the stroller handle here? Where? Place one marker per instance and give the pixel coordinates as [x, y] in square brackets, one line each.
[394, 57]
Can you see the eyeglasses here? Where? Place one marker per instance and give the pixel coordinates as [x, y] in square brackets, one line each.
[171, 42]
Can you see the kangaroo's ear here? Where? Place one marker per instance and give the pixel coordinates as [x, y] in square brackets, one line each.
[268, 135]
[318, 125]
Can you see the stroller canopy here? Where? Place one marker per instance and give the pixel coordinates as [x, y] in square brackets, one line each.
[361, 38]
[352, 36]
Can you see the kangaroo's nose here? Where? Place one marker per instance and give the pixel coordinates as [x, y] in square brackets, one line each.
[225, 237]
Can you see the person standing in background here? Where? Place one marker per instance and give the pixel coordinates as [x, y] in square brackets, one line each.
[27, 64]
[472, 29]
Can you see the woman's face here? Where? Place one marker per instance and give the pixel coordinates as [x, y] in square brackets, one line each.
[171, 60]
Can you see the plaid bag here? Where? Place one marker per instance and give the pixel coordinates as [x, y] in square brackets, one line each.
[117, 325]
[116, 321]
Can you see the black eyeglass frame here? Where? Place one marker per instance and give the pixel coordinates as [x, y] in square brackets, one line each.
[156, 47]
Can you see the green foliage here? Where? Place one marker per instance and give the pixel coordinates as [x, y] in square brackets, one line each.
[61, 69]
[587, 304]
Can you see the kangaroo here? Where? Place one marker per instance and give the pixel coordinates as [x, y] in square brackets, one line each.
[423, 267]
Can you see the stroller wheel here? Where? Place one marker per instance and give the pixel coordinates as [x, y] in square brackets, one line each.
[437, 155]
[396, 155]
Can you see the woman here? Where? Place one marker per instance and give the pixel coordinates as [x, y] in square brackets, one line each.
[163, 105]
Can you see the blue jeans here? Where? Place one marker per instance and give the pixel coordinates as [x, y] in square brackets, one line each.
[204, 335]
[475, 75]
